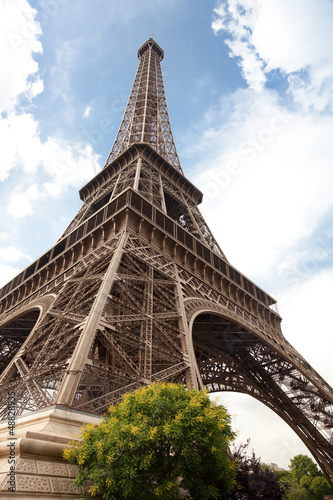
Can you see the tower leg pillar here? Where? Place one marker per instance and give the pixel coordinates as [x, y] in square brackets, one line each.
[73, 372]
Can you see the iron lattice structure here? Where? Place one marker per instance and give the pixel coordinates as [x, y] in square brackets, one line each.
[146, 117]
[137, 290]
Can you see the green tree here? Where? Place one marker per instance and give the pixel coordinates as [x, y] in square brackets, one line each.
[254, 481]
[294, 490]
[156, 442]
[305, 480]
[305, 483]
[320, 487]
[302, 465]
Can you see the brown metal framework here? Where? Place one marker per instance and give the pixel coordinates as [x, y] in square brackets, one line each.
[137, 290]
[146, 117]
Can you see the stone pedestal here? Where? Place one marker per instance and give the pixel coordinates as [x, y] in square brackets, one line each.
[31, 460]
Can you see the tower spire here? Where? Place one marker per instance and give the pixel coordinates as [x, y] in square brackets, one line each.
[146, 117]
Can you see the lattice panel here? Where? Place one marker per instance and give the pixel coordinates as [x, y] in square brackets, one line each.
[91, 205]
[150, 185]
[139, 339]
[187, 214]
[125, 179]
[35, 371]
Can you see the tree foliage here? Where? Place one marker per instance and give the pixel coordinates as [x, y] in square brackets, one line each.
[156, 443]
[254, 481]
[305, 480]
[319, 487]
[302, 465]
[294, 490]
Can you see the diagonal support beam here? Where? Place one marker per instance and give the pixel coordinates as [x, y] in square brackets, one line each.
[113, 344]
[35, 391]
[77, 362]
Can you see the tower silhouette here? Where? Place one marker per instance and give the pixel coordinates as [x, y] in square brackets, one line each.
[137, 290]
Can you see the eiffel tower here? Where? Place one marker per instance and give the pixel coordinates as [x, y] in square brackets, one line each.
[138, 290]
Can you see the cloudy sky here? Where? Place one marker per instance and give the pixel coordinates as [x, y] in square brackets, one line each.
[249, 85]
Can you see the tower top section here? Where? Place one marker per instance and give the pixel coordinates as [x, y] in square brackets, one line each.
[150, 45]
[146, 118]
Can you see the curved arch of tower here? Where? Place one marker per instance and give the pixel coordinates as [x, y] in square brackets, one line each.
[137, 290]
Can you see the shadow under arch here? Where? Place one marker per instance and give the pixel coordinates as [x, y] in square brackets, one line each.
[231, 357]
[14, 333]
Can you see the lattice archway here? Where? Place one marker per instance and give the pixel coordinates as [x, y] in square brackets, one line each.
[18, 331]
[230, 356]
[14, 333]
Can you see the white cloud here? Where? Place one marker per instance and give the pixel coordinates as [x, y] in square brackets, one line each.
[52, 164]
[237, 20]
[55, 161]
[60, 86]
[265, 172]
[293, 37]
[20, 203]
[271, 161]
[4, 236]
[11, 254]
[7, 273]
[68, 164]
[87, 112]
[306, 309]
[21, 143]
[23, 146]
[218, 23]
[59, 164]
[19, 42]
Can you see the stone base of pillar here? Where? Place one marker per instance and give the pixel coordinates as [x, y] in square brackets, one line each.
[31, 463]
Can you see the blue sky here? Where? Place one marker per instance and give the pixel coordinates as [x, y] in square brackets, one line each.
[249, 85]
